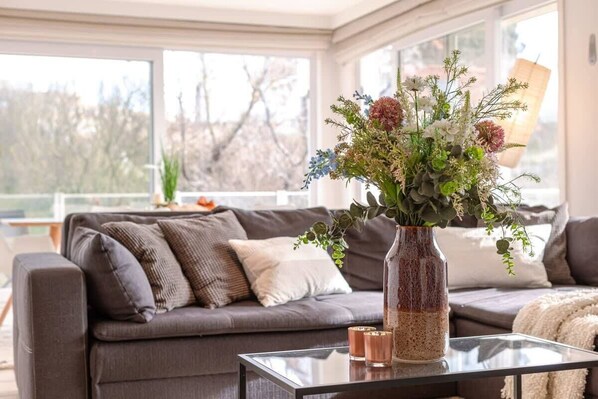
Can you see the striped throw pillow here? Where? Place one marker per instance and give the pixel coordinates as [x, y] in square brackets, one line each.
[209, 262]
[146, 242]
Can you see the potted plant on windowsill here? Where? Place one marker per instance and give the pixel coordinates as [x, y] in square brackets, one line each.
[170, 170]
[433, 157]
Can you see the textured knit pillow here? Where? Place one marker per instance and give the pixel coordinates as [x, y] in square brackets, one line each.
[146, 242]
[555, 255]
[473, 261]
[279, 274]
[116, 284]
[201, 246]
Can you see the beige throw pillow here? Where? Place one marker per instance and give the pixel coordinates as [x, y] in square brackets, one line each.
[147, 244]
[201, 246]
[473, 261]
[278, 274]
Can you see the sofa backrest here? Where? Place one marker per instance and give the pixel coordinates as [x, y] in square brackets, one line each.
[582, 249]
[258, 224]
[96, 220]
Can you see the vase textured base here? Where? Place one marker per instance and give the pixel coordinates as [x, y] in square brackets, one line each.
[419, 337]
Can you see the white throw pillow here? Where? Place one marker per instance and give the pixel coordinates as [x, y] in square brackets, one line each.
[279, 274]
[473, 261]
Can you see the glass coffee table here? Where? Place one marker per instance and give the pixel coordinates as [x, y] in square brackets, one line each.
[326, 370]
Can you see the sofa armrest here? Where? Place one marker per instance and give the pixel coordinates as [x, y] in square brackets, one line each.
[50, 327]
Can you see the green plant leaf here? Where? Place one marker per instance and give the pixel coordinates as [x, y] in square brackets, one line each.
[502, 246]
[371, 199]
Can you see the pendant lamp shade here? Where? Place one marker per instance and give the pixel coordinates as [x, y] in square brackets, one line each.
[520, 126]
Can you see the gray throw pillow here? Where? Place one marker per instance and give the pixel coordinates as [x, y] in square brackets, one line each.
[263, 224]
[582, 250]
[116, 282]
[146, 242]
[555, 254]
[363, 266]
[208, 260]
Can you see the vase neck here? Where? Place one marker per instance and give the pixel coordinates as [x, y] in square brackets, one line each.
[418, 234]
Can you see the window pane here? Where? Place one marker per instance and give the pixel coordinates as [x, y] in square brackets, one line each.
[74, 126]
[471, 42]
[521, 39]
[240, 124]
[427, 58]
[377, 72]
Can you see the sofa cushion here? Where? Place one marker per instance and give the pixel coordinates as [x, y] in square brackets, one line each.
[582, 250]
[280, 273]
[208, 260]
[146, 242]
[497, 307]
[323, 312]
[262, 224]
[555, 255]
[116, 283]
[363, 266]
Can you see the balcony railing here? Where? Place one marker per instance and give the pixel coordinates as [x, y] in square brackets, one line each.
[58, 205]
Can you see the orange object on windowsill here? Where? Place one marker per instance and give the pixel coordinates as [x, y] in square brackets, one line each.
[203, 201]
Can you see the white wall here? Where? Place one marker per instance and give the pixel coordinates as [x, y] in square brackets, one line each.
[335, 80]
[580, 80]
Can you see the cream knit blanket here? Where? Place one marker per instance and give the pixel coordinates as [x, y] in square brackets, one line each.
[570, 318]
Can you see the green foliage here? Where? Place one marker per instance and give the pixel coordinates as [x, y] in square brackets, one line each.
[169, 174]
[430, 167]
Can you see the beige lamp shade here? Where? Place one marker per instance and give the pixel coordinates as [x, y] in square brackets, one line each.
[520, 126]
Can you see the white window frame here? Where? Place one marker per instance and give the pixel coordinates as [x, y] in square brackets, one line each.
[493, 18]
[155, 57]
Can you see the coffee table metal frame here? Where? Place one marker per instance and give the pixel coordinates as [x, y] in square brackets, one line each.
[298, 392]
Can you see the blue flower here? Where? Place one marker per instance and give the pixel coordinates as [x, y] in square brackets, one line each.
[320, 165]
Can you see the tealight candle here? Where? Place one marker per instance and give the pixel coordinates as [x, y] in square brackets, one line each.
[378, 348]
[356, 344]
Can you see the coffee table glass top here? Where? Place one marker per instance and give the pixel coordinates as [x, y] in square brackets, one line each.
[519, 354]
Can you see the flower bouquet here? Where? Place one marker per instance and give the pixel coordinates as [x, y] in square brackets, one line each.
[433, 156]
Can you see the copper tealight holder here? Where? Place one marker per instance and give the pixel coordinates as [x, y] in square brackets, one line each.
[356, 344]
[378, 348]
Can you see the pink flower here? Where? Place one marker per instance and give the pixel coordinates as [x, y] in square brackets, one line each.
[490, 135]
[387, 112]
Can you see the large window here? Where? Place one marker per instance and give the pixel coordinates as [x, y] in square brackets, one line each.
[73, 131]
[240, 124]
[521, 38]
[427, 58]
[79, 134]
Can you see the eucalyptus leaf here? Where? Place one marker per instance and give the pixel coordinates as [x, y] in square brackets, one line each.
[426, 189]
[502, 246]
[448, 213]
[320, 228]
[371, 199]
[429, 215]
[416, 197]
[381, 199]
[372, 212]
[355, 211]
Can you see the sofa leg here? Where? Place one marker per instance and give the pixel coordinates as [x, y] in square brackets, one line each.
[242, 382]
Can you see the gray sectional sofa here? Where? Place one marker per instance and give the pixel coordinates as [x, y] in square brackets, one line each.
[64, 350]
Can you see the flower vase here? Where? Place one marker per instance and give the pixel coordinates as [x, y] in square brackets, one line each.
[416, 296]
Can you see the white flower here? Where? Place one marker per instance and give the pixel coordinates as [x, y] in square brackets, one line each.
[442, 128]
[426, 104]
[410, 127]
[414, 83]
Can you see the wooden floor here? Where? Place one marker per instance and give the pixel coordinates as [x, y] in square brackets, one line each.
[8, 386]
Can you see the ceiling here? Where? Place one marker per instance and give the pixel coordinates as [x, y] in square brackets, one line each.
[323, 14]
